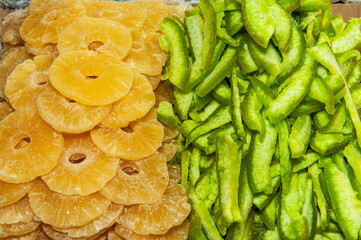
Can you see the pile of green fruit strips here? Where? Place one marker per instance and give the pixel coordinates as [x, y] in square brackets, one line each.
[266, 97]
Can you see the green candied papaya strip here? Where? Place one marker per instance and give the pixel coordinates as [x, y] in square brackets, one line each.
[236, 106]
[260, 160]
[195, 229]
[346, 205]
[292, 95]
[242, 230]
[194, 169]
[356, 96]
[309, 208]
[326, 17]
[300, 136]
[307, 107]
[271, 235]
[220, 72]
[217, 119]
[222, 32]
[251, 107]
[202, 115]
[337, 23]
[233, 20]
[245, 60]
[206, 161]
[260, 200]
[207, 186]
[197, 75]
[268, 59]
[209, 32]
[291, 223]
[289, 5]
[348, 39]
[337, 121]
[199, 103]
[228, 168]
[264, 93]
[270, 212]
[324, 55]
[245, 194]
[210, 228]
[163, 44]
[167, 116]
[180, 140]
[352, 81]
[182, 101]
[319, 236]
[194, 25]
[179, 71]
[353, 154]
[222, 92]
[257, 21]
[321, 92]
[305, 161]
[311, 5]
[217, 217]
[185, 167]
[283, 31]
[307, 18]
[327, 143]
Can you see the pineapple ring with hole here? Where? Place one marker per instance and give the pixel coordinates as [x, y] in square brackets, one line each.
[55, 235]
[38, 153]
[158, 218]
[140, 140]
[90, 78]
[5, 109]
[138, 182]
[11, 193]
[139, 100]
[65, 211]
[27, 80]
[18, 229]
[17, 212]
[176, 233]
[168, 150]
[88, 33]
[82, 168]
[65, 115]
[47, 19]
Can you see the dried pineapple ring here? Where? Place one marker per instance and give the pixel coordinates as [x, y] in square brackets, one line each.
[159, 217]
[168, 150]
[69, 209]
[18, 229]
[130, 15]
[11, 193]
[68, 116]
[82, 75]
[104, 221]
[17, 212]
[169, 133]
[40, 154]
[10, 59]
[47, 49]
[88, 33]
[42, 236]
[176, 233]
[27, 80]
[139, 100]
[10, 27]
[174, 171]
[112, 235]
[146, 57]
[5, 109]
[162, 93]
[141, 140]
[53, 234]
[82, 168]
[34, 235]
[47, 19]
[154, 80]
[138, 182]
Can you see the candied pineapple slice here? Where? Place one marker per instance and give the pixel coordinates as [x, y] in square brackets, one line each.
[174, 171]
[90, 78]
[17, 212]
[88, 33]
[176, 233]
[5, 109]
[112, 235]
[169, 133]
[141, 139]
[10, 193]
[162, 93]
[68, 116]
[56, 235]
[138, 182]
[168, 150]
[18, 229]
[27, 80]
[159, 217]
[47, 49]
[82, 168]
[154, 80]
[38, 153]
[9, 31]
[71, 211]
[34, 235]
[47, 19]
[139, 100]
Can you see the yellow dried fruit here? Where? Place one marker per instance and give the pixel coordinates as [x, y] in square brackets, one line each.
[174, 171]
[162, 93]
[53, 234]
[168, 150]
[11, 193]
[34, 235]
[10, 27]
[112, 235]
[47, 49]
[18, 229]
[154, 80]
[5, 109]
[169, 133]
[17, 212]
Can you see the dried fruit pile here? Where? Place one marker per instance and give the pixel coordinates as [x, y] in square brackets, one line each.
[81, 146]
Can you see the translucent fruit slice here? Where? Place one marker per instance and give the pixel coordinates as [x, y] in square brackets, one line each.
[5, 109]
[146, 57]
[66, 115]
[18, 229]
[112, 235]
[11, 193]
[162, 93]
[39, 149]
[169, 133]
[138, 182]
[158, 218]
[17, 212]
[47, 19]
[34, 235]
[69, 209]
[82, 168]
[168, 150]
[42, 236]
[90, 78]
[174, 171]
[9, 31]
[176, 233]
[88, 33]
[47, 49]
[27, 80]
[104, 221]
[55, 235]
[130, 15]
[9, 61]
[141, 139]
[154, 80]
[139, 100]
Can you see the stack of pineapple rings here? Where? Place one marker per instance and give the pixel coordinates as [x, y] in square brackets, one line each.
[82, 153]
